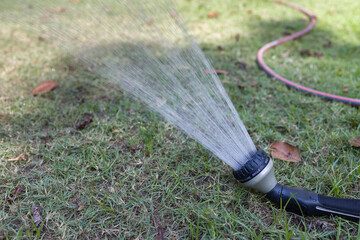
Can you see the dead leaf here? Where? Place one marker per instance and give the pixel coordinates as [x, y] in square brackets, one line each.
[286, 33]
[248, 11]
[355, 142]
[218, 71]
[80, 205]
[345, 89]
[247, 85]
[220, 48]
[241, 65]
[150, 21]
[37, 218]
[318, 54]
[21, 156]
[213, 14]
[306, 52]
[285, 151]
[327, 45]
[86, 120]
[44, 87]
[237, 37]
[57, 10]
[47, 15]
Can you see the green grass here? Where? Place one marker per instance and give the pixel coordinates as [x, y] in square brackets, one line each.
[136, 176]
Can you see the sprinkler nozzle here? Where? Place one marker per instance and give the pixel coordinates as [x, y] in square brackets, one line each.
[257, 173]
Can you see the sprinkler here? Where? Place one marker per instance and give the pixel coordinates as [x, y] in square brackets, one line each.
[258, 174]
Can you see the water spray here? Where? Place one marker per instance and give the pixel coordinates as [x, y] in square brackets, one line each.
[143, 47]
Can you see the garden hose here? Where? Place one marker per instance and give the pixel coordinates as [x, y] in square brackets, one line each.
[272, 73]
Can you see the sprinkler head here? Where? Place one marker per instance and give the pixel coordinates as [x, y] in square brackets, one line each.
[257, 173]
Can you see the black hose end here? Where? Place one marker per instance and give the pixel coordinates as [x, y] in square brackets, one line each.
[306, 203]
[253, 167]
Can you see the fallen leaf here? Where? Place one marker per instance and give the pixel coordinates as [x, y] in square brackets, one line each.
[285, 151]
[80, 205]
[220, 48]
[331, 12]
[44, 87]
[21, 156]
[345, 89]
[241, 65]
[355, 142]
[37, 218]
[57, 10]
[247, 85]
[327, 45]
[150, 21]
[47, 15]
[41, 38]
[237, 37]
[86, 120]
[71, 68]
[318, 54]
[218, 71]
[213, 14]
[306, 52]
[248, 11]
[286, 33]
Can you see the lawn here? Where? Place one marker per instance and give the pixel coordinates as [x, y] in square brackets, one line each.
[130, 175]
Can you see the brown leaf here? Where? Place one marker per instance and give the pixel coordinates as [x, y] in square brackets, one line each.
[286, 33]
[213, 14]
[220, 48]
[218, 71]
[241, 65]
[21, 156]
[285, 151]
[327, 45]
[44, 87]
[237, 37]
[305, 52]
[80, 205]
[57, 10]
[345, 89]
[37, 218]
[355, 142]
[318, 54]
[150, 21]
[87, 119]
[247, 85]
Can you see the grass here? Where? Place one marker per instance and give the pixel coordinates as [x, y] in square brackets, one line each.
[130, 175]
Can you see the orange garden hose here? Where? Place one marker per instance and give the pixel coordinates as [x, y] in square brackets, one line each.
[272, 73]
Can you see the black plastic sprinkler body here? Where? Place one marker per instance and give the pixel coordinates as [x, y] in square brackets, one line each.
[258, 174]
